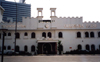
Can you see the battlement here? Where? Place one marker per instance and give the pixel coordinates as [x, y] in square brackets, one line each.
[66, 18]
[70, 17]
[91, 22]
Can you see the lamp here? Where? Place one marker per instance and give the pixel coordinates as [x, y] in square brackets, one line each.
[3, 38]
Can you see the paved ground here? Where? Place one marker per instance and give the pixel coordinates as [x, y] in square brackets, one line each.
[55, 58]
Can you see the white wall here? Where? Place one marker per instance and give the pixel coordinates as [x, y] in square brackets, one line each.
[57, 25]
[69, 39]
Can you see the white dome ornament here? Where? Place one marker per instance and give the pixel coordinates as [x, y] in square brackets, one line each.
[46, 26]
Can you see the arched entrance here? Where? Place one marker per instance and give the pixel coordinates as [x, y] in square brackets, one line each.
[47, 48]
[79, 47]
[17, 49]
[92, 47]
[87, 47]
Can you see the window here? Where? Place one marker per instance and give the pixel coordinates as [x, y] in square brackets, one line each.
[25, 34]
[92, 47]
[9, 47]
[98, 34]
[49, 34]
[25, 48]
[9, 34]
[91, 34]
[4, 48]
[78, 35]
[79, 47]
[33, 35]
[32, 48]
[86, 34]
[17, 35]
[0, 35]
[17, 49]
[44, 34]
[87, 47]
[60, 34]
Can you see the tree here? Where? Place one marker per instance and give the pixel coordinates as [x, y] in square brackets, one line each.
[60, 47]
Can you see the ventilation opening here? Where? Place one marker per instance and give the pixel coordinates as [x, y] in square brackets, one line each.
[40, 14]
[53, 14]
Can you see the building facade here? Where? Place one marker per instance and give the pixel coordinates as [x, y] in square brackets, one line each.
[23, 10]
[36, 34]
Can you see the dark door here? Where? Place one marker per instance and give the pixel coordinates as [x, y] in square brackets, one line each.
[46, 48]
[92, 47]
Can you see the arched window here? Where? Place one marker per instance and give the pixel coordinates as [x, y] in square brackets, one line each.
[4, 48]
[87, 47]
[91, 34]
[60, 35]
[49, 34]
[17, 49]
[32, 48]
[79, 47]
[98, 34]
[86, 34]
[9, 34]
[78, 34]
[25, 48]
[25, 34]
[9, 48]
[33, 35]
[92, 47]
[17, 35]
[0, 35]
[44, 34]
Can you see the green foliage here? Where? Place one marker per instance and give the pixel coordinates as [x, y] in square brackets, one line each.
[59, 42]
[60, 47]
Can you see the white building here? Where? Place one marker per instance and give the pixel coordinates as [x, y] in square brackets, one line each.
[37, 34]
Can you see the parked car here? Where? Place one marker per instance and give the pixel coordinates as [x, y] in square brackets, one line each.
[9, 53]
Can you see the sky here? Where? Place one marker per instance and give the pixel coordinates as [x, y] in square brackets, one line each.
[88, 9]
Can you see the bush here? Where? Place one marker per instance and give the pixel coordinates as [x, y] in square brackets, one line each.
[83, 52]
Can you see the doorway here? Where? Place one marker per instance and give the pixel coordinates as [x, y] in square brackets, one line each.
[47, 48]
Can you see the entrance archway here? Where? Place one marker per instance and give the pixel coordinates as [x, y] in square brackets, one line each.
[17, 49]
[47, 48]
[79, 47]
[87, 47]
[92, 47]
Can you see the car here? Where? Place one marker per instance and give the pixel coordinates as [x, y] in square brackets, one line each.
[9, 52]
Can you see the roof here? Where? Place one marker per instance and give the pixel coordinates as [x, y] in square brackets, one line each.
[2, 8]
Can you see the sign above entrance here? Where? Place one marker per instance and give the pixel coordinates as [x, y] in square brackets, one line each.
[46, 41]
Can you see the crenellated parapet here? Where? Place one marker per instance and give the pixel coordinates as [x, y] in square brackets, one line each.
[71, 17]
[91, 22]
[54, 23]
[58, 23]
